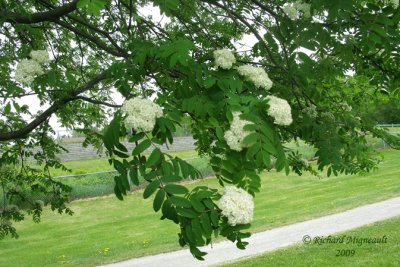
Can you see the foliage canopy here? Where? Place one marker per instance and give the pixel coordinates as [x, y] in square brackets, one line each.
[341, 55]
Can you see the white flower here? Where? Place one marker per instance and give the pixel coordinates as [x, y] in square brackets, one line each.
[258, 76]
[345, 106]
[328, 116]
[293, 10]
[280, 110]
[237, 205]
[141, 114]
[305, 8]
[290, 11]
[224, 58]
[311, 111]
[27, 70]
[235, 135]
[40, 56]
[395, 3]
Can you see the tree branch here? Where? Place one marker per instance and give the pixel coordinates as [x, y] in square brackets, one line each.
[91, 38]
[95, 101]
[266, 8]
[40, 16]
[234, 16]
[58, 104]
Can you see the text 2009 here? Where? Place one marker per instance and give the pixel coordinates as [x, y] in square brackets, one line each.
[345, 252]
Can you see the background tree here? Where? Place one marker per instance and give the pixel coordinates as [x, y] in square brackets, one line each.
[304, 54]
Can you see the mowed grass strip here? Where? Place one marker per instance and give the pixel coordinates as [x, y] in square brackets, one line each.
[105, 230]
[341, 254]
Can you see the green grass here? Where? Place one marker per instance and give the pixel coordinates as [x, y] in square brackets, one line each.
[395, 129]
[383, 254]
[306, 150]
[105, 230]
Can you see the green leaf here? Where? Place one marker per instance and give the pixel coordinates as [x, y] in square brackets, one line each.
[220, 133]
[167, 210]
[252, 151]
[197, 253]
[204, 194]
[145, 144]
[180, 201]
[176, 189]
[266, 158]
[133, 176]
[209, 204]
[224, 84]
[51, 77]
[188, 213]
[120, 154]
[136, 137]
[118, 193]
[154, 158]
[125, 182]
[210, 81]
[214, 218]
[206, 224]
[197, 205]
[111, 134]
[173, 60]
[151, 188]
[7, 108]
[93, 6]
[250, 139]
[171, 178]
[158, 200]
[229, 115]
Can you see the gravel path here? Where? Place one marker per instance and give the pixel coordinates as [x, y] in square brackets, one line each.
[275, 238]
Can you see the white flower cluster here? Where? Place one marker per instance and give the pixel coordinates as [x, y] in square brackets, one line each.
[328, 116]
[237, 205]
[141, 114]
[258, 76]
[224, 58]
[280, 110]
[235, 135]
[292, 10]
[346, 107]
[40, 56]
[395, 3]
[311, 111]
[28, 69]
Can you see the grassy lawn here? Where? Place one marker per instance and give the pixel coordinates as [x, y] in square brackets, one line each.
[395, 129]
[104, 229]
[384, 254]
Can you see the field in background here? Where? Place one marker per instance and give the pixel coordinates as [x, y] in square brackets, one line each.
[95, 177]
[104, 230]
